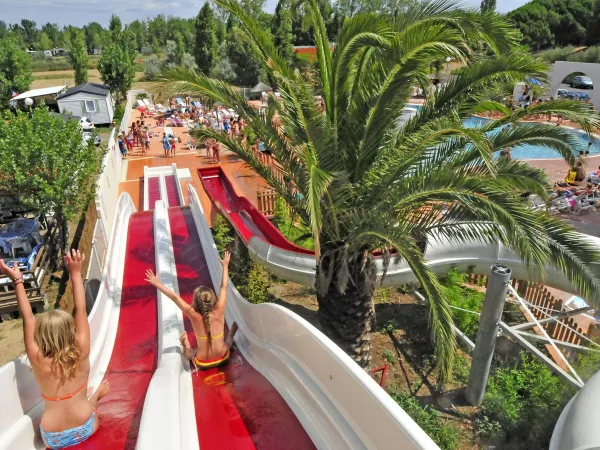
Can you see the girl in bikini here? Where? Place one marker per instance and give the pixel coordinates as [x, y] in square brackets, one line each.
[207, 315]
[58, 349]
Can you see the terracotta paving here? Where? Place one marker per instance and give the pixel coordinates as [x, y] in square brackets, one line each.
[245, 181]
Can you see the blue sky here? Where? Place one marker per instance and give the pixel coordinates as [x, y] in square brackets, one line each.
[80, 12]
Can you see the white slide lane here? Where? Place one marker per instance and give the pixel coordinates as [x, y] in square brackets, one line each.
[339, 405]
[22, 405]
[440, 254]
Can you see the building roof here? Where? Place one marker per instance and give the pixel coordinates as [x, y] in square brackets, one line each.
[261, 87]
[89, 88]
[40, 92]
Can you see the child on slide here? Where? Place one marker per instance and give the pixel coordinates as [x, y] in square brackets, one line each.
[58, 349]
[207, 315]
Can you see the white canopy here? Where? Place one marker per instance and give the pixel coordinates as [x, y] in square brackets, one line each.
[40, 92]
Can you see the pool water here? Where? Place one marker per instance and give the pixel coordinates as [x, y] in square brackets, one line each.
[529, 151]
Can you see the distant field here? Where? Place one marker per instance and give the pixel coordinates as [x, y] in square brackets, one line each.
[58, 77]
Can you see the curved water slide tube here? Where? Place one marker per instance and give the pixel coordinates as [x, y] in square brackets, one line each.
[22, 404]
[271, 249]
[338, 404]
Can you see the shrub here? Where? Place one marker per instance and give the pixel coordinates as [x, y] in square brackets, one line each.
[119, 113]
[461, 369]
[444, 434]
[256, 289]
[382, 295]
[222, 233]
[389, 356]
[524, 402]
[465, 298]
[153, 67]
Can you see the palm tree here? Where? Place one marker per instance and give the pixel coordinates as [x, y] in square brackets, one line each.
[371, 184]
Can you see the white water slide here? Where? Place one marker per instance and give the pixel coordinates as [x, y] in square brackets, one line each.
[286, 387]
[290, 262]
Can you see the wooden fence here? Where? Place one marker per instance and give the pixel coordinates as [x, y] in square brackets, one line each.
[266, 202]
[544, 302]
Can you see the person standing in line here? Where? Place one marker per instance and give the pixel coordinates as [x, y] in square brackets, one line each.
[173, 142]
[122, 146]
[166, 145]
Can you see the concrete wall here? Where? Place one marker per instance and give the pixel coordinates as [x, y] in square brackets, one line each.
[561, 69]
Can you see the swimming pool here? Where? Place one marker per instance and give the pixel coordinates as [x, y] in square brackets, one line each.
[540, 151]
[534, 151]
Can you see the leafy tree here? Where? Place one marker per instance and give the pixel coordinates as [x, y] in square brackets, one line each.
[45, 160]
[544, 23]
[79, 57]
[54, 33]
[138, 28]
[15, 70]
[44, 42]
[206, 47]
[158, 29]
[115, 26]
[93, 32]
[179, 49]
[3, 29]
[117, 69]
[488, 5]
[30, 32]
[223, 70]
[283, 36]
[153, 68]
[369, 184]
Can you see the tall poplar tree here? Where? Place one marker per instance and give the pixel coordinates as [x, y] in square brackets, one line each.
[79, 57]
[281, 28]
[206, 46]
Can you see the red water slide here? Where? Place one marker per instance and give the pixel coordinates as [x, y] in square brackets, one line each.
[236, 407]
[243, 215]
[134, 355]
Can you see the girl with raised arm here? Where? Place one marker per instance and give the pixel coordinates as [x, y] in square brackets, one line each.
[58, 348]
[207, 314]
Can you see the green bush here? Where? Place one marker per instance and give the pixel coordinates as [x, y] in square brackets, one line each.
[444, 434]
[292, 227]
[382, 295]
[461, 369]
[465, 298]
[389, 356]
[119, 113]
[256, 289]
[222, 233]
[524, 402]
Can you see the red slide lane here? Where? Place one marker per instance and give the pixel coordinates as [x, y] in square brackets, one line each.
[135, 352]
[153, 191]
[236, 407]
[172, 194]
[242, 214]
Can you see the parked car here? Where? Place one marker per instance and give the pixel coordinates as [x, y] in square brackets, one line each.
[86, 124]
[562, 93]
[87, 135]
[582, 82]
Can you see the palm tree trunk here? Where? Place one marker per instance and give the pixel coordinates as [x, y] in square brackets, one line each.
[347, 318]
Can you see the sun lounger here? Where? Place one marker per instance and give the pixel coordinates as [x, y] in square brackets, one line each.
[179, 101]
[141, 104]
[197, 104]
[149, 106]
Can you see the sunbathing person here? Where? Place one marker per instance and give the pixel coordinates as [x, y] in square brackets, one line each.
[58, 349]
[207, 315]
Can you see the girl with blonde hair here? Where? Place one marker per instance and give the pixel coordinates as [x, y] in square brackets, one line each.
[58, 349]
[207, 315]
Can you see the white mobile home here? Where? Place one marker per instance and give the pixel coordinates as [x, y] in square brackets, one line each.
[90, 100]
